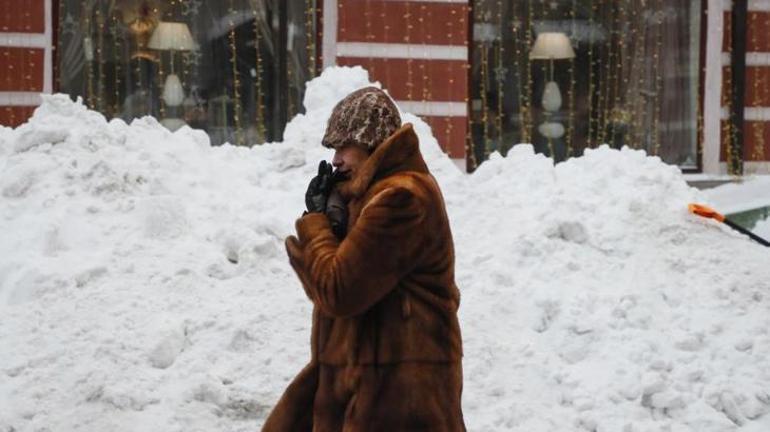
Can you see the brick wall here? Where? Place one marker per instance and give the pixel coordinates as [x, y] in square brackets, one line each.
[25, 57]
[756, 127]
[418, 50]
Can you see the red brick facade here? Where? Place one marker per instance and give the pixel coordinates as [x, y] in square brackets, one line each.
[25, 57]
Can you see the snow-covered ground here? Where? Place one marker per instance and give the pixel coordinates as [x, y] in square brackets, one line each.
[144, 286]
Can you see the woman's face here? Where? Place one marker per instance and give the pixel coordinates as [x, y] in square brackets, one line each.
[348, 159]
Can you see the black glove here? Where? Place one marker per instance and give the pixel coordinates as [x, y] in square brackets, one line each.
[337, 212]
[319, 188]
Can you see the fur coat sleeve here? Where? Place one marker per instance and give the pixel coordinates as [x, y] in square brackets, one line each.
[346, 278]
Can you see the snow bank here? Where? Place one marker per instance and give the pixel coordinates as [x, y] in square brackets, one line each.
[144, 286]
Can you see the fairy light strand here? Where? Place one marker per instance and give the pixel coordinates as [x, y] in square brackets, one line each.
[259, 98]
[236, 76]
[116, 51]
[591, 120]
[758, 127]
[499, 77]
[658, 79]
[472, 163]
[517, 51]
[571, 103]
[309, 32]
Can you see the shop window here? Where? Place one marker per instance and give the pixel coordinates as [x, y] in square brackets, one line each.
[234, 68]
[628, 76]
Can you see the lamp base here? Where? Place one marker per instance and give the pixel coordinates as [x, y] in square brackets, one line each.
[551, 130]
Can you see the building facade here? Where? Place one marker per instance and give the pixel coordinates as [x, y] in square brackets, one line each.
[675, 78]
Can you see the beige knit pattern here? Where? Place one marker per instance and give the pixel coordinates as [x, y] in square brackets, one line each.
[364, 118]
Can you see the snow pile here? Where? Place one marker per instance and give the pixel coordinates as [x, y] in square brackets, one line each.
[144, 286]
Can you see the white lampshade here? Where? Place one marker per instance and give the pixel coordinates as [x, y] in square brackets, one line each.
[552, 46]
[173, 93]
[172, 36]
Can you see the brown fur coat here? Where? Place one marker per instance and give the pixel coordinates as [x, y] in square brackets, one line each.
[385, 326]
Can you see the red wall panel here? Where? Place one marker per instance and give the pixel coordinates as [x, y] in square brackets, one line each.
[22, 16]
[434, 80]
[402, 22]
[15, 115]
[23, 69]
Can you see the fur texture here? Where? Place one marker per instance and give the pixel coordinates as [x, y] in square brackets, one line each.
[386, 343]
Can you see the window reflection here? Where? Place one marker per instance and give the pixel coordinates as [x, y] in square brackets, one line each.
[241, 82]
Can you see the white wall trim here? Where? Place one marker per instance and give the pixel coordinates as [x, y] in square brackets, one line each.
[753, 58]
[754, 5]
[434, 109]
[432, 1]
[404, 51]
[713, 89]
[24, 40]
[749, 114]
[329, 40]
[48, 56]
[749, 167]
[20, 99]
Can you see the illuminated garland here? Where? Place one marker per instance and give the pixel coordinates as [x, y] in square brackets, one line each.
[236, 76]
[658, 80]
[758, 127]
[528, 68]
[311, 45]
[499, 78]
[571, 104]
[407, 40]
[100, 59]
[523, 133]
[591, 120]
[260, 111]
[114, 31]
[89, 63]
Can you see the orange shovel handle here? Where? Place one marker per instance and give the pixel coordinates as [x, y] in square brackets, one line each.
[706, 212]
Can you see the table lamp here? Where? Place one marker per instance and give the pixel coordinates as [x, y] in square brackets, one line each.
[551, 46]
[172, 36]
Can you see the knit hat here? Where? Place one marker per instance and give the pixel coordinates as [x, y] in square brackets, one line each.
[364, 118]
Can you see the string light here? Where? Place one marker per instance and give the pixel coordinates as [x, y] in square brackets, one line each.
[309, 32]
[407, 40]
[758, 127]
[515, 24]
[260, 112]
[658, 79]
[114, 31]
[369, 37]
[57, 57]
[640, 108]
[551, 151]
[617, 117]
[8, 84]
[591, 120]
[236, 76]
[100, 59]
[426, 86]
[484, 72]
[87, 47]
[469, 147]
[528, 68]
[499, 77]
[571, 118]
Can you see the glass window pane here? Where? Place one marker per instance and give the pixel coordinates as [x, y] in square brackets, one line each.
[234, 68]
[633, 79]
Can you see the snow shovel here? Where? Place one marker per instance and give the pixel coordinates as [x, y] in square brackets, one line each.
[710, 213]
